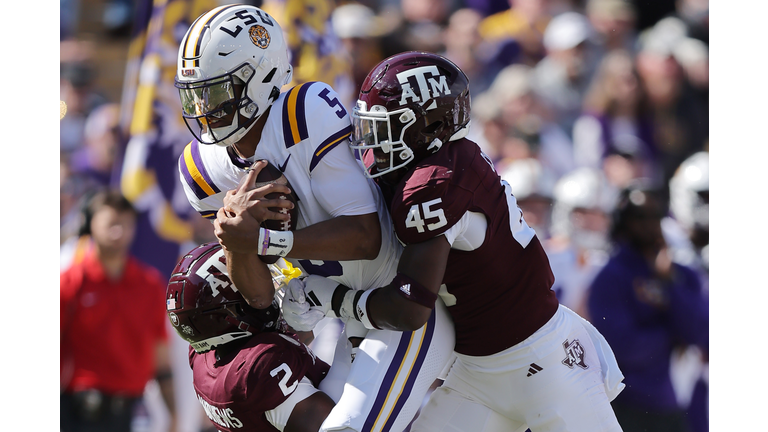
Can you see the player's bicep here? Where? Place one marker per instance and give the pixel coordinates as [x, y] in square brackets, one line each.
[426, 261]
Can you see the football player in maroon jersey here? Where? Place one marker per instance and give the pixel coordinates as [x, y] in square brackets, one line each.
[523, 360]
[250, 373]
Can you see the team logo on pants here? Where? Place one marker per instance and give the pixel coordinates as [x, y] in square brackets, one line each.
[574, 354]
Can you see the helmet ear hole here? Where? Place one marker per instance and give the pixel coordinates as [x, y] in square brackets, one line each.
[269, 76]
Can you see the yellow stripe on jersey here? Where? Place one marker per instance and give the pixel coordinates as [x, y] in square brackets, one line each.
[195, 173]
[291, 101]
[319, 151]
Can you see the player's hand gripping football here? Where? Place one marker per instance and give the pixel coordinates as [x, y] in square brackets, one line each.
[245, 209]
[297, 311]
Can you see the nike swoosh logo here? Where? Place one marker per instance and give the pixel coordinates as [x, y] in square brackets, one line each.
[223, 54]
[282, 167]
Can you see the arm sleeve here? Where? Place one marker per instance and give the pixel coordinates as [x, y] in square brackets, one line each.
[279, 416]
[468, 233]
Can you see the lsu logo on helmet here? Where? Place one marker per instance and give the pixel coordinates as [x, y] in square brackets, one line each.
[259, 36]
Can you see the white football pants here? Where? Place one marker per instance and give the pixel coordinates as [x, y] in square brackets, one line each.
[392, 372]
[562, 378]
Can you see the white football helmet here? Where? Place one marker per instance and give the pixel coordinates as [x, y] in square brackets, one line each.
[233, 60]
[583, 189]
[689, 192]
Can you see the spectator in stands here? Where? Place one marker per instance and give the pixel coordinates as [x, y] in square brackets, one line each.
[687, 233]
[516, 124]
[113, 325]
[681, 121]
[102, 140]
[581, 220]
[523, 23]
[646, 305]
[463, 46]
[613, 22]
[562, 77]
[615, 132]
[418, 26]
[77, 90]
[359, 29]
[533, 187]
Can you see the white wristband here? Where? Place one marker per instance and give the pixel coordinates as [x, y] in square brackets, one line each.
[275, 243]
[361, 310]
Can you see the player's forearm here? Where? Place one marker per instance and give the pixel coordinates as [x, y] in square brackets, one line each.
[406, 304]
[252, 278]
[390, 311]
[342, 238]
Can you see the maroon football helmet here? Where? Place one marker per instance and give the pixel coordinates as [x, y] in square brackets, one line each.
[204, 306]
[410, 104]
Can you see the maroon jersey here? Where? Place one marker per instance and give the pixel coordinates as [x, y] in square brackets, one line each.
[501, 289]
[236, 392]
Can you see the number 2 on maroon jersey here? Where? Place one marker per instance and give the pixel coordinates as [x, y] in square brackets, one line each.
[283, 384]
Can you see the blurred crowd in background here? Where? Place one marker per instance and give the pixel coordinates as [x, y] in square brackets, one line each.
[572, 100]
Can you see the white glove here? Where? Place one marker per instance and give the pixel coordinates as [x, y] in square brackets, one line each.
[296, 310]
[319, 293]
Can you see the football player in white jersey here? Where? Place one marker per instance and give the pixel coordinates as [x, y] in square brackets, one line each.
[232, 64]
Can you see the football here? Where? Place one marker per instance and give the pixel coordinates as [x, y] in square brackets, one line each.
[268, 175]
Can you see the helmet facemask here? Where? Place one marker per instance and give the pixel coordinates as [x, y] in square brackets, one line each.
[382, 132]
[211, 107]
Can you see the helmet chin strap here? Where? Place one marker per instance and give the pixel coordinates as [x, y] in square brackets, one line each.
[461, 133]
[437, 144]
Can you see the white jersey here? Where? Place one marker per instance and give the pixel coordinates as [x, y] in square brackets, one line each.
[306, 136]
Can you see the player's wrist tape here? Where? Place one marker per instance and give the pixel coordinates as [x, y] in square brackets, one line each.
[275, 243]
[347, 303]
[361, 310]
[411, 290]
[338, 298]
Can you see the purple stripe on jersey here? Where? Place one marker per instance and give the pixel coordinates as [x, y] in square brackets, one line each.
[301, 116]
[198, 191]
[208, 214]
[378, 404]
[287, 134]
[328, 145]
[201, 166]
[197, 164]
[389, 378]
[428, 333]
[237, 160]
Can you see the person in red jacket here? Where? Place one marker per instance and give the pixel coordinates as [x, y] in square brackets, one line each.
[113, 328]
